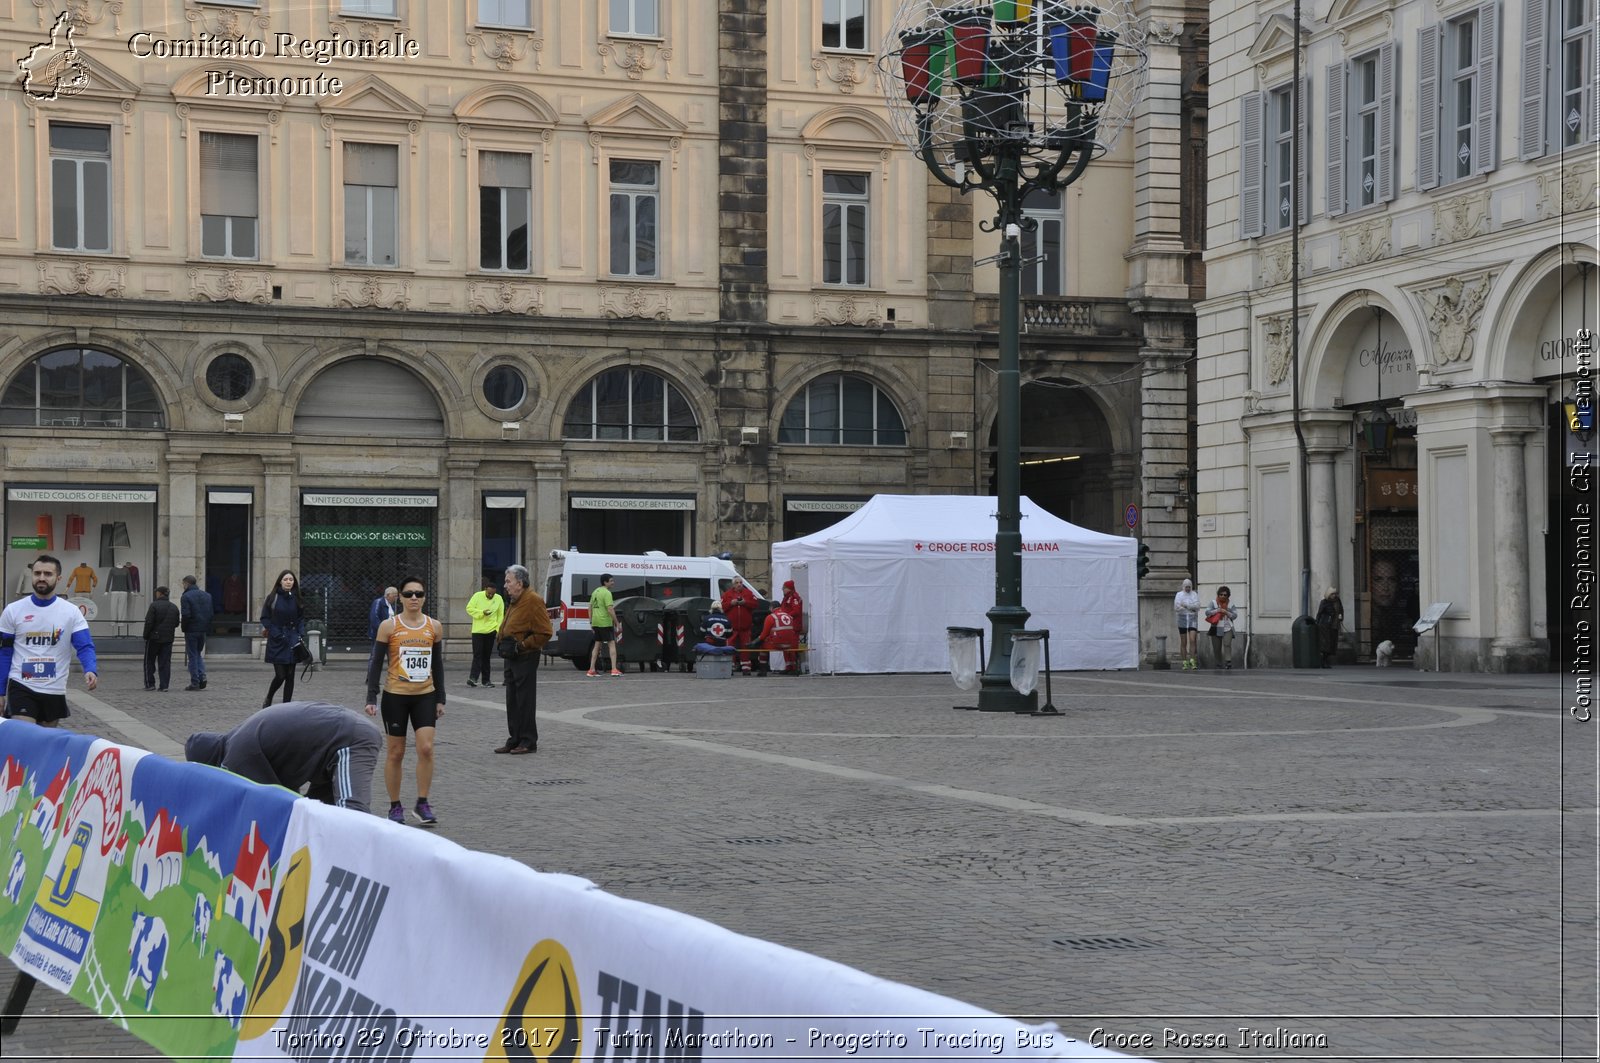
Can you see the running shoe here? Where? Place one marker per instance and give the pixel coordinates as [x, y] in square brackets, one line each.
[397, 813]
[424, 813]
[591, 673]
[472, 682]
[615, 672]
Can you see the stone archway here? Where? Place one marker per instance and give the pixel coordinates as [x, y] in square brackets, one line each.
[1066, 454]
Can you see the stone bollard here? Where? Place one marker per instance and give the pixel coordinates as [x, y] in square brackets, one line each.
[1161, 663]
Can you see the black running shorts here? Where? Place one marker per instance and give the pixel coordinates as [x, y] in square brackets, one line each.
[419, 710]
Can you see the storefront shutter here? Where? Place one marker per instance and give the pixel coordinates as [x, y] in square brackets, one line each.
[369, 397]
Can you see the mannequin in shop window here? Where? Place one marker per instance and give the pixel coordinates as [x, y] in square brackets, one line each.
[119, 587]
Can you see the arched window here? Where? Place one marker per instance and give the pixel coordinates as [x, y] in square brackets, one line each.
[842, 409]
[81, 388]
[631, 404]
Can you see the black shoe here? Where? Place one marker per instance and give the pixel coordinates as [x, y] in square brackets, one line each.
[202, 685]
[266, 703]
[486, 685]
[193, 686]
[161, 690]
[149, 686]
[472, 682]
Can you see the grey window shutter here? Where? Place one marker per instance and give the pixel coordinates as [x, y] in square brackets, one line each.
[1302, 171]
[1336, 139]
[1428, 43]
[1594, 91]
[1486, 122]
[1251, 165]
[1387, 111]
[1535, 57]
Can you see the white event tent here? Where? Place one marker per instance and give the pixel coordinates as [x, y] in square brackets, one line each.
[882, 585]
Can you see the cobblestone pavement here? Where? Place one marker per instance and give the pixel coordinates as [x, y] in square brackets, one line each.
[1385, 863]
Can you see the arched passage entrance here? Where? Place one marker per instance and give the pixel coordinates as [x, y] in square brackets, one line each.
[1066, 453]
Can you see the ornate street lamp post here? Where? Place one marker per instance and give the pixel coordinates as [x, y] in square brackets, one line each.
[1011, 98]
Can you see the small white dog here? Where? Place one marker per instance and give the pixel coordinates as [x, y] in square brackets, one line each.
[1385, 651]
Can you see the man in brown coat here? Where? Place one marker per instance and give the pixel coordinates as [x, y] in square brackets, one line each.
[522, 636]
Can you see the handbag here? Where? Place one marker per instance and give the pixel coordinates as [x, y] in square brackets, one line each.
[301, 654]
[509, 648]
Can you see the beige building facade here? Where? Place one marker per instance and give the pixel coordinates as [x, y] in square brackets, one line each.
[1446, 265]
[367, 287]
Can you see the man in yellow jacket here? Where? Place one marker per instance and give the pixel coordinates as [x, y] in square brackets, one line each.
[487, 610]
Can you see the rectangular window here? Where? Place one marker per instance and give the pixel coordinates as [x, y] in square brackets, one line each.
[1280, 159]
[505, 206]
[1364, 116]
[635, 202]
[636, 18]
[845, 199]
[381, 8]
[1576, 66]
[510, 13]
[80, 187]
[844, 24]
[1461, 89]
[371, 201]
[229, 195]
[1043, 267]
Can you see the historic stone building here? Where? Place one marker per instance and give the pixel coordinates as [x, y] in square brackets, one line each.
[1447, 207]
[482, 278]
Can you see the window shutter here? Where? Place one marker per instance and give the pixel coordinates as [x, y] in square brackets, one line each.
[1535, 53]
[1336, 139]
[1302, 170]
[1387, 106]
[1594, 87]
[228, 175]
[1251, 166]
[1486, 123]
[1429, 40]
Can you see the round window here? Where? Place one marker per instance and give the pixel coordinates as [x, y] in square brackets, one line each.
[504, 388]
[230, 377]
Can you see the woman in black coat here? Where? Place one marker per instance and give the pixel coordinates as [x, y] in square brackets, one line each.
[284, 623]
[1330, 618]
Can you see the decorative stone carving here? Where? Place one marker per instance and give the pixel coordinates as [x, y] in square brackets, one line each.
[636, 57]
[230, 286]
[1161, 31]
[1454, 311]
[505, 297]
[842, 70]
[82, 278]
[77, 11]
[1365, 241]
[363, 30]
[228, 21]
[1567, 191]
[1276, 347]
[504, 48]
[369, 289]
[1276, 263]
[636, 302]
[846, 310]
[1461, 217]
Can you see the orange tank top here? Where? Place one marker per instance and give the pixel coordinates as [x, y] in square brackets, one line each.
[411, 656]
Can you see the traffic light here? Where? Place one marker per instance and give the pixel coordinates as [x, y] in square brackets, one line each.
[1144, 560]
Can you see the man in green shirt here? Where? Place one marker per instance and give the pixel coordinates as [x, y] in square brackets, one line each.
[487, 610]
[603, 622]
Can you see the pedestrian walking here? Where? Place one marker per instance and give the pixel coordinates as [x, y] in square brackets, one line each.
[284, 622]
[161, 621]
[383, 607]
[487, 609]
[522, 636]
[38, 636]
[408, 655]
[1186, 604]
[603, 621]
[195, 614]
[1221, 614]
[325, 748]
[1330, 619]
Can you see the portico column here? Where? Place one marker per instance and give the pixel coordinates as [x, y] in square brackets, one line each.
[278, 515]
[1324, 525]
[1512, 642]
[459, 542]
[183, 534]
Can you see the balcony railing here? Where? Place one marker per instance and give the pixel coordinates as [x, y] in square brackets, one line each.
[1061, 315]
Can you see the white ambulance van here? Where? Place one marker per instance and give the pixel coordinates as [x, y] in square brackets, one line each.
[573, 575]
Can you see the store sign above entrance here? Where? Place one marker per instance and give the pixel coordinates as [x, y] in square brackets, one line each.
[632, 503]
[333, 535]
[1380, 365]
[81, 494]
[1392, 489]
[325, 498]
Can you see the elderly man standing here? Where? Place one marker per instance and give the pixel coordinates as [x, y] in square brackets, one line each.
[384, 607]
[522, 636]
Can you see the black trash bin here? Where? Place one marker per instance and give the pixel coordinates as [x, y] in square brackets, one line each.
[1303, 639]
[685, 617]
[640, 621]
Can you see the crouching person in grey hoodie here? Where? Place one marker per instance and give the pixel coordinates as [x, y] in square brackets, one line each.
[327, 749]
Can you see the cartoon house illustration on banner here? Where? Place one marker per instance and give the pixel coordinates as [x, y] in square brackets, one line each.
[249, 897]
[11, 776]
[158, 862]
[47, 810]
